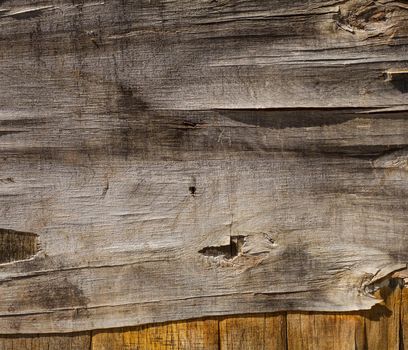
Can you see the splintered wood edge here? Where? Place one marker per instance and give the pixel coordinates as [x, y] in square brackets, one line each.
[396, 74]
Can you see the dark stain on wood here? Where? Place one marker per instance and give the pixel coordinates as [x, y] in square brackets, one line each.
[66, 294]
[130, 101]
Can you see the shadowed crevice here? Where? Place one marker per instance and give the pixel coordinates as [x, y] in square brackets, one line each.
[229, 251]
[16, 245]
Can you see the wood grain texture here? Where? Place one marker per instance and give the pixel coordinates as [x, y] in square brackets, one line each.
[326, 331]
[73, 341]
[16, 246]
[403, 326]
[384, 322]
[182, 159]
[192, 335]
[383, 327]
[264, 332]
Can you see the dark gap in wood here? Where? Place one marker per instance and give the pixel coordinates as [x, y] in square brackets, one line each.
[366, 152]
[401, 85]
[189, 124]
[192, 190]
[365, 346]
[399, 79]
[219, 334]
[286, 331]
[16, 245]
[400, 325]
[90, 339]
[288, 118]
[386, 285]
[229, 251]
[401, 335]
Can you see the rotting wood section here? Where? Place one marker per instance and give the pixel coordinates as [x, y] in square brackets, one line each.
[136, 137]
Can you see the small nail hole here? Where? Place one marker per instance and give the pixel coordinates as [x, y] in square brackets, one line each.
[192, 190]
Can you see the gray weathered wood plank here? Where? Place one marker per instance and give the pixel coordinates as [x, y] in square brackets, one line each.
[179, 159]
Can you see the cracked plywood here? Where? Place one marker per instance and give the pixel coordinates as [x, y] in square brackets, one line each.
[197, 158]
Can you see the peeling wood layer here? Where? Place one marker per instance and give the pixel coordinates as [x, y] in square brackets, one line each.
[199, 158]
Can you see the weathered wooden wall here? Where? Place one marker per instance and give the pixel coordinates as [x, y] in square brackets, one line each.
[164, 160]
[383, 328]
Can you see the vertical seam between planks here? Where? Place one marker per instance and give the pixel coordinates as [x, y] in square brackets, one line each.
[400, 323]
[264, 331]
[365, 346]
[219, 334]
[90, 339]
[286, 331]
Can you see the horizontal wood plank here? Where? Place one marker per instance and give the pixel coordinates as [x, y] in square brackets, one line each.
[383, 327]
[173, 160]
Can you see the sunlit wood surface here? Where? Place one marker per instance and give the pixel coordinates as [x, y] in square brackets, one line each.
[384, 327]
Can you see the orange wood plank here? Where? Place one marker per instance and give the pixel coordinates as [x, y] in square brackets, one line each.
[72, 341]
[266, 332]
[325, 331]
[170, 336]
[382, 322]
[404, 320]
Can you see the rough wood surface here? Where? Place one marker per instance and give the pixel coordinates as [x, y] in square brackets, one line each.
[180, 159]
[253, 332]
[309, 331]
[382, 328]
[192, 335]
[403, 326]
[383, 322]
[73, 341]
